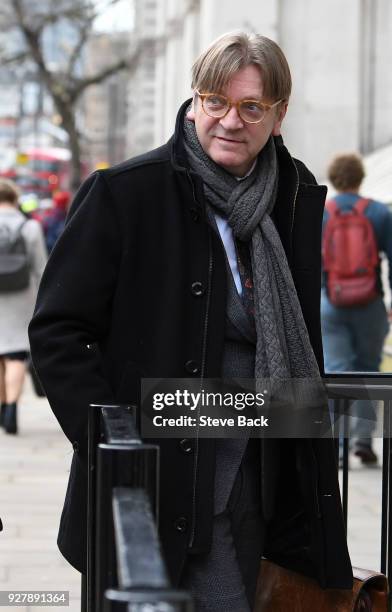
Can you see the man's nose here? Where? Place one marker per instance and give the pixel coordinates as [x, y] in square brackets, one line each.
[232, 121]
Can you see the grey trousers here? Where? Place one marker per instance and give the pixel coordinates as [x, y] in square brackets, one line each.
[225, 580]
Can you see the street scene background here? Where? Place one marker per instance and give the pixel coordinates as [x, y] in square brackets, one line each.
[86, 85]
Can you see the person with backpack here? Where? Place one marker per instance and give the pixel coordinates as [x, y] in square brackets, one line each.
[22, 260]
[356, 232]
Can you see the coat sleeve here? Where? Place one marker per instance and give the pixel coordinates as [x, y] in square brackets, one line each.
[73, 309]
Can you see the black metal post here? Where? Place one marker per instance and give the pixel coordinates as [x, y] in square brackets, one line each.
[135, 465]
[336, 414]
[346, 433]
[88, 591]
[83, 593]
[389, 513]
[386, 530]
[385, 485]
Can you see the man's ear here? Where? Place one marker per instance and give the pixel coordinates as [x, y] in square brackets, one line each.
[191, 113]
[278, 122]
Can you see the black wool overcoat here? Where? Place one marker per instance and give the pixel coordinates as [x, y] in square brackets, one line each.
[116, 304]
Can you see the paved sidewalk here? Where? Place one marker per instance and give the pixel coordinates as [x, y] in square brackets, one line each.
[34, 469]
[33, 474]
[364, 512]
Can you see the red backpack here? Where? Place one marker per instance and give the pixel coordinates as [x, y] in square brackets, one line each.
[350, 256]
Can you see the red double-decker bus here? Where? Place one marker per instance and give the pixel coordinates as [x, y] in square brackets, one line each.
[43, 170]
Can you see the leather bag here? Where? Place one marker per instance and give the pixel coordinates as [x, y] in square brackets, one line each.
[281, 590]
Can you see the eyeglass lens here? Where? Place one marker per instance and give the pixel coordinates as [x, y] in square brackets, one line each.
[217, 106]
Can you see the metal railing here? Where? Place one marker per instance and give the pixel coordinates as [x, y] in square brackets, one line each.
[343, 389]
[125, 568]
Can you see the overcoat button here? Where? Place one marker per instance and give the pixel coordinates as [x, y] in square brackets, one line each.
[197, 288]
[191, 367]
[186, 445]
[195, 214]
[181, 524]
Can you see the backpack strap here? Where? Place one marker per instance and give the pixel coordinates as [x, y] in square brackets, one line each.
[17, 233]
[361, 205]
[332, 208]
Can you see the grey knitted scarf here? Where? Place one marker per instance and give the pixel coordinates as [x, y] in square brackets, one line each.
[283, 349]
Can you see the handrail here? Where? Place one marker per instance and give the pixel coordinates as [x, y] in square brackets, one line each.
[139, 559]
[118, 424]
[358, 385]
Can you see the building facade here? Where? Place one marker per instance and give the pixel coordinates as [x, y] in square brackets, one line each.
[342, 84]
[104, 111]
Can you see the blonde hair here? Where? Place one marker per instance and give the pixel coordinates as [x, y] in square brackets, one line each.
[346, 171]
[9, 192]
[233, 51]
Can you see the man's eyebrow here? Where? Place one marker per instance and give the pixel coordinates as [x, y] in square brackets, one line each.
[253, 96]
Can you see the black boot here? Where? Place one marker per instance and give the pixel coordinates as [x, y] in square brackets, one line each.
[9, 418]
[2, 413]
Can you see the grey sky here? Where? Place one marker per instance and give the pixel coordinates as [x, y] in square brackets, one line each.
[118, 17]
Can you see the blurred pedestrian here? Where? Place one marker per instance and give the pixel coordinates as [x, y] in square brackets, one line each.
[22, 260]
[356, 231]
[55, 220]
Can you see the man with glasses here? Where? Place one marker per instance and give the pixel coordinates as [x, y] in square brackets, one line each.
[202, 259]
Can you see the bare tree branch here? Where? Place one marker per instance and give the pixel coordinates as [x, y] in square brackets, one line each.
[101, 76]
[47, 19]
[62, 82]
[18, 58]
[32, 40]
[103, 5]
[84, 33]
